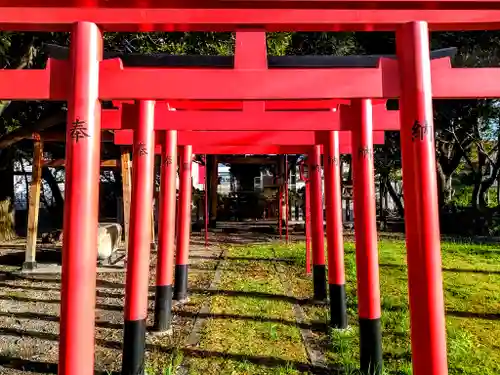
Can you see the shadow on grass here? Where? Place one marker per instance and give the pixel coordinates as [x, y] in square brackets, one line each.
[44, 367]
[485, 272]
[316, 326]
[476, 315]
[459, 314]
[238, 236]
[249, 259]
[231, 293]
[107, 284]
[261, 361]
[51, 368]
[445, 269]
[277, 297]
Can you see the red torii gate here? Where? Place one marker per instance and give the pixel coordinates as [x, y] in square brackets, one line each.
[211, 141]
[369, 303]
[116, 82]
[251, 120]
[274, 15]
[85, 80]
[164, 287]
[254, 119]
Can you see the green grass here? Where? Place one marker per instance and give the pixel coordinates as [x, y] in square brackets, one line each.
[472, 300]
[249, 334]
[162, 363]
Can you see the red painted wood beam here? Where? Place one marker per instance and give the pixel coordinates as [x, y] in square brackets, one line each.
[125, 138]
[233, 84]
[288, 144]
[117, 83]
[269, 138]
[243, 121]
[263, 4]
[222, 150]
[263, 150]
[38, 16]
[237, 105]
[256, 150]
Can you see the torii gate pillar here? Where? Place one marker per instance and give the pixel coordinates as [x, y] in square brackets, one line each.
[139, 244]
[365, 231]
[334, 231]
[166, 232]
[428, 329]
[318, 234]
[183, 223]
[79, 255]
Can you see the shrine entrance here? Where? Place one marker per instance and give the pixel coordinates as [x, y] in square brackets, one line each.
[252, 103]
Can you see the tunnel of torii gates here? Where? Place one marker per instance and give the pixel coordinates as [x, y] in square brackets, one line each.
[86, 80]
[343, 119]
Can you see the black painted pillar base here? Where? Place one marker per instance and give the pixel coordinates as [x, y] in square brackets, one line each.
[180, 282]
[29, 266]
[163, 308]
[134, 344]
[370, 334]
[319, 282]
[338, 306]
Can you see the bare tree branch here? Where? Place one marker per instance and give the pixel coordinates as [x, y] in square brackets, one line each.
[26, 131]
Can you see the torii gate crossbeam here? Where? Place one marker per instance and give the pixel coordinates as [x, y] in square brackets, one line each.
[85, 80]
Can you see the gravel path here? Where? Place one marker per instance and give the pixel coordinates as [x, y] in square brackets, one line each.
[29, 313]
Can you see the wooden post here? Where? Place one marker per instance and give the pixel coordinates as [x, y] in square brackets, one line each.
[34, 204]
[156, 200]
[126, 183]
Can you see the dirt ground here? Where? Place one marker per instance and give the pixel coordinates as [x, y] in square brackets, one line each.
[29, 308]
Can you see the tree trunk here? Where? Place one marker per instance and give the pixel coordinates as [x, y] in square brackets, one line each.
[395, 198]
[381, 194]
[444, 184]
[57, 210]
[483, 193]
[475, 194]
[386, 198]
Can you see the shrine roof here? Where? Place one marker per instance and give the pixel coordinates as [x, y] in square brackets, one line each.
[276, 62]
